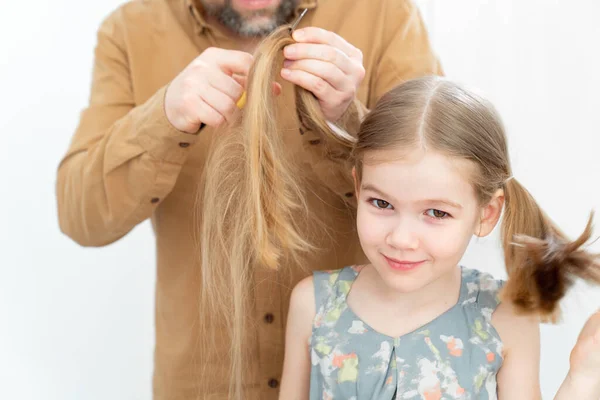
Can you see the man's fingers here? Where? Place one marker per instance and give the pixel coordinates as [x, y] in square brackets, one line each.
[233, 61]
[226, 84]
[321, 36]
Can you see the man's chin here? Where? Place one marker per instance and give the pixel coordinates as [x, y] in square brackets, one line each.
[257, 22]
[258, 26]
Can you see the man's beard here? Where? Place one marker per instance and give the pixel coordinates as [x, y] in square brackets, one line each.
[243, 25]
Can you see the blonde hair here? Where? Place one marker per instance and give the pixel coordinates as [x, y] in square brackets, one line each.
[251, 202]
[440, 115]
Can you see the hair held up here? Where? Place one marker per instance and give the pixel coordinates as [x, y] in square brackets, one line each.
[252, 201]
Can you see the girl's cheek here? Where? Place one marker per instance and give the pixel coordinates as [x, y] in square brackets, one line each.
[368, 225]
[448, 242]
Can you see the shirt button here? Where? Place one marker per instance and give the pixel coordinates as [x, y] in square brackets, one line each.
[269, 318]
[273, 383]
[154, 200]
[184, 144]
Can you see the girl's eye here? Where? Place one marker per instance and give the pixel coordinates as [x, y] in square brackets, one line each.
[382, 204]
[437, 214]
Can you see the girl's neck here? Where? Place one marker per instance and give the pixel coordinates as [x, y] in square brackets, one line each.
[443, 292]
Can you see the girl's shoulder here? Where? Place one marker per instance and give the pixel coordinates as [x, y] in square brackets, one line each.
[332, 285]
[313, 292]
[513, 328]
[302, 300]
[481, 288]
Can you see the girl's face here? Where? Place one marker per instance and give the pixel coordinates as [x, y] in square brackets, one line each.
[417, 214]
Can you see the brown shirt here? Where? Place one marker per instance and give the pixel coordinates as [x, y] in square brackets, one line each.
[126, 163]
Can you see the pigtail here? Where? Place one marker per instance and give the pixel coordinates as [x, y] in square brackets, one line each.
[251, 201]
[541, 262]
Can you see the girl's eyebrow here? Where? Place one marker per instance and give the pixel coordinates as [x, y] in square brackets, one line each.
[443, 201]
[370, 187]
[373, 189]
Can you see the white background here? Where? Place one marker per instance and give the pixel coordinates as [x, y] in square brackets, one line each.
[78, 323]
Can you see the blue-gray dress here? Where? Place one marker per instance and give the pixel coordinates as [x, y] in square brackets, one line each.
[455, 356]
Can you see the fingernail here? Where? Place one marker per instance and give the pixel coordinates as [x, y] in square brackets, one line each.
[290, 51]
[299, 34]
[285, 72]
[287, 63]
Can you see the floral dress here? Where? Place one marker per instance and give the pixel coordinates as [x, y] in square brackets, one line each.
[455, 356]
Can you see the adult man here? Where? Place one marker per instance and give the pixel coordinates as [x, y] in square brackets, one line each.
[166, 68]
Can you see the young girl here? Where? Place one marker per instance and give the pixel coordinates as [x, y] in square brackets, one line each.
[431, 170]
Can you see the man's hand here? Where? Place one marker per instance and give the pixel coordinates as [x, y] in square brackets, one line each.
[328, 66]
[207, 90]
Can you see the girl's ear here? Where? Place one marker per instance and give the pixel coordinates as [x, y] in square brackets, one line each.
[490, 214]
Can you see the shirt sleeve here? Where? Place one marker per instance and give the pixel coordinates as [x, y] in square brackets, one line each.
[124, 158]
